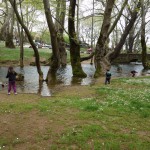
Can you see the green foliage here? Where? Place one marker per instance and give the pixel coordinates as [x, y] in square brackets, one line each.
[46, 37]
[38, 4]
[66, 38]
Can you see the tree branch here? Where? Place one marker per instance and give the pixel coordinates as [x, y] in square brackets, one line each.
[88, 57]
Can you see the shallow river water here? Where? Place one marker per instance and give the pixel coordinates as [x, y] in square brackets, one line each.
[64, 77]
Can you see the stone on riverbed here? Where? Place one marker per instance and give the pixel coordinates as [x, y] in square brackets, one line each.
[20, 77]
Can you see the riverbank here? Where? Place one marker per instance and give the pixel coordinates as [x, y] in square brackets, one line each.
[12, 56]
[114, 116]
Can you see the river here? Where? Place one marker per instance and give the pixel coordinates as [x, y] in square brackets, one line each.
[64, 77]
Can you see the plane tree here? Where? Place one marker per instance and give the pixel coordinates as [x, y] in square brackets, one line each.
[144, 10]
[6, 32]
[103, 56]
[37, 58]
[74, 43]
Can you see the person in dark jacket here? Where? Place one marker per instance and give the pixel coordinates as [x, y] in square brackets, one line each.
[11, 75]
[108, 77]
[133, 72]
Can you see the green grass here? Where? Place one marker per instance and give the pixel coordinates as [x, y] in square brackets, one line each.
[115, 118]
[120, 108]
[13, 54]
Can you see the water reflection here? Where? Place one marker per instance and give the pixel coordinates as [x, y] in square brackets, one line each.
[126, 69]
[63, 77]
[43, 89]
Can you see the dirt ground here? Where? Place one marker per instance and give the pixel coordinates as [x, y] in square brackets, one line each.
[27, 62]
[23, 129]
[13, 63]
[29, 130]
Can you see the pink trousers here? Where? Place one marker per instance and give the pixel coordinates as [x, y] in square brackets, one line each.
[12, 84]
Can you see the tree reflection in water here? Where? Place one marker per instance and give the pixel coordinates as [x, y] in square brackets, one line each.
[63, 77]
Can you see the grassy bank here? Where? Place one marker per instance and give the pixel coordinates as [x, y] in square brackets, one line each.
[8, 55]
[13, 54]
[99, 117]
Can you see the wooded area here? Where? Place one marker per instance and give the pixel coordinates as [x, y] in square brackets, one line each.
[109, 27]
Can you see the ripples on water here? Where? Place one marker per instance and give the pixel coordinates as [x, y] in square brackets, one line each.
[64, 77]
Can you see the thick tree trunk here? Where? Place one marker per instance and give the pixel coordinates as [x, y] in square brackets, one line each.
[9, 31]
[60, 19]
[37, 58]
[9, 40]
[6, 33]
[4, 25]
[62, 51]
[143, 41]
[74, 43]
[3, 32]
[103, 59]
[100, 50]
[55, 59]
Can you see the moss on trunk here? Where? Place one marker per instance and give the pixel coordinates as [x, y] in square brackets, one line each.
[9, 41]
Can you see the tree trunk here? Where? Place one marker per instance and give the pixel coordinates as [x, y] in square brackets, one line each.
[21, 45]
[21, 49]
[37, 58]
[74, 43]
[143, 42]
[62, 50]
[103, 58]
[131, 40]
[55, 59]
[6, 33]
[21, 39]
[4, 25]
[9, 31]
[119, 46]
[9, 39]
[118, 17]
[60, 19]
[100, 51]
[136, 44]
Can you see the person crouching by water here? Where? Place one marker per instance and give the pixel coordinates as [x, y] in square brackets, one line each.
[11, 75]
[133, 72]
[108, 77]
